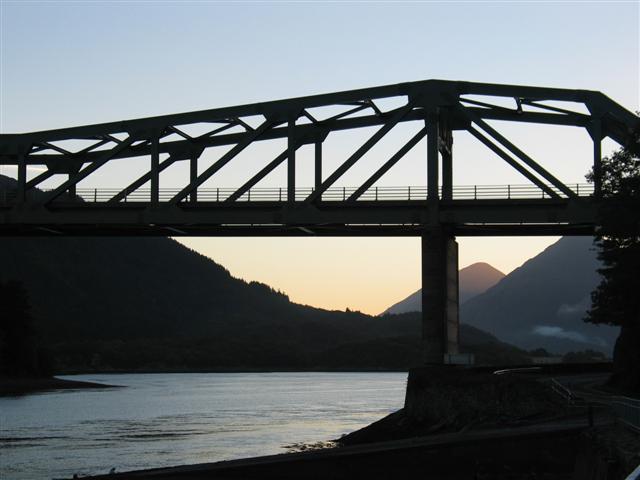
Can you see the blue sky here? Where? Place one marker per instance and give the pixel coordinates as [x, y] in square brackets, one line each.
[65, 63]
[70, 63]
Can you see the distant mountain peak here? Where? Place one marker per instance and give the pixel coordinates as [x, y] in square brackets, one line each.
[474, 279]
[482, 265]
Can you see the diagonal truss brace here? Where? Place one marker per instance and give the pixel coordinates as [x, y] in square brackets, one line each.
[348, 163]
[388, 164]
[507, 158]
[226, 158]
[85, 172]
[516, 151]
[270, 167]
[128, 190]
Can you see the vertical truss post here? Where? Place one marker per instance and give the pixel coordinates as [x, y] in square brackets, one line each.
[445, 144]
[193, 174]
[291, 160]
[318, 165]
[432, 155]
[72, 187]
[155, 170]
[22, 177]
[596, 135]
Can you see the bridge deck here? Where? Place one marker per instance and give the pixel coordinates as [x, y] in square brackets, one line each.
[383, 211]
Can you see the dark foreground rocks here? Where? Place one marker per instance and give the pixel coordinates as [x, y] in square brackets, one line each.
[442, 399]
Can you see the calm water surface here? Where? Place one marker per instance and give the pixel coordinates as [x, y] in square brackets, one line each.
[173, 419]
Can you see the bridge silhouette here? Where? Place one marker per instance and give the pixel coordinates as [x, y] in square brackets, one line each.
[437, 210]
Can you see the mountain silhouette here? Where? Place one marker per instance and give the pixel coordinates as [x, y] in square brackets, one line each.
[542, 303]
[473, 280]
[154, 304]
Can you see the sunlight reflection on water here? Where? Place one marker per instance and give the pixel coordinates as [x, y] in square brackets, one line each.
[176, 419]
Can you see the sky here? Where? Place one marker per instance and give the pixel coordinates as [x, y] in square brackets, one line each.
[74, 63]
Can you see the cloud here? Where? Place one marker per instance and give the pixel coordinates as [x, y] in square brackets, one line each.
[570, 310]
[559, 332]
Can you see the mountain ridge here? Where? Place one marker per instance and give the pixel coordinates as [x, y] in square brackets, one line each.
[543, 302]
[152, 303]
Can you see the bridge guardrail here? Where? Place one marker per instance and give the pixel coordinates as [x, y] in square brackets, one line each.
[336, 194]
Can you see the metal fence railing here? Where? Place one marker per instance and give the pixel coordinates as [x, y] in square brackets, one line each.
[625, 410]
[334, 194]
[566, 394]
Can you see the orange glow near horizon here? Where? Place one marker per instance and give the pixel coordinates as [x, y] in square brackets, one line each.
[365, 274]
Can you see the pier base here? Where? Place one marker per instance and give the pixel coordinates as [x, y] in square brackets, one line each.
[440, 322]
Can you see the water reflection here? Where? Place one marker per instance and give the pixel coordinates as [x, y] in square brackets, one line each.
[172, 419]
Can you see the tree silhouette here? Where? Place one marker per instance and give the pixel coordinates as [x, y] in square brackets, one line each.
[616, 300]
[20, 352]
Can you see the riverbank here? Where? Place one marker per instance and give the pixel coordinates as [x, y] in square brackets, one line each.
[14, 386]
[457, 423]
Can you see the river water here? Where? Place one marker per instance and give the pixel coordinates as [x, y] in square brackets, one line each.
[159, 420]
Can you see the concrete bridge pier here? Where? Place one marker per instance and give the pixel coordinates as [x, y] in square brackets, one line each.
[440, 323]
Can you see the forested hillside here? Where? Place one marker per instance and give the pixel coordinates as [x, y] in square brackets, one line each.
[151, 303]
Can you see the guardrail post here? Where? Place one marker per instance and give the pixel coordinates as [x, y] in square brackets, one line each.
[409, 193]
[475, 192]
[578, 189]
[344, 193]
[217, 194]
[95, 195]
[280, 194]
[509, 192]
[376, 194]
[249, 195]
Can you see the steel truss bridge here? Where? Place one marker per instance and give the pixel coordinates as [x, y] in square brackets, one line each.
[436, 211]
[542, 205]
